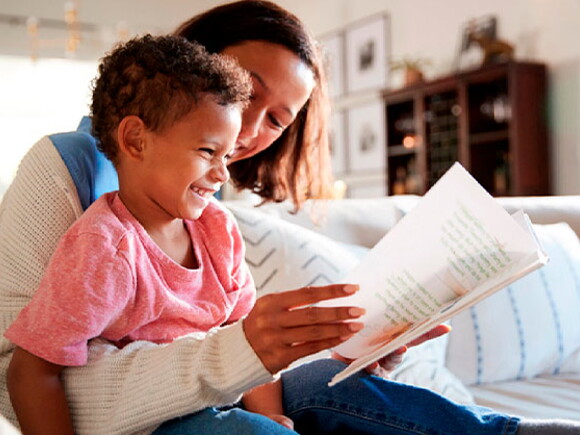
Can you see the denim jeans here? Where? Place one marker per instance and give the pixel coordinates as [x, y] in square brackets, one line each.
[362, 404]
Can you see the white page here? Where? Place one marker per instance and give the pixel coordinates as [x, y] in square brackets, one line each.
[458, 242]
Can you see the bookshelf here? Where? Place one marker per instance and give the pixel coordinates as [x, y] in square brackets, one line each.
[492, 120]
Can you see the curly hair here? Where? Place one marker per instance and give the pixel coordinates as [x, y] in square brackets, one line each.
[297, 165]
[160, 79]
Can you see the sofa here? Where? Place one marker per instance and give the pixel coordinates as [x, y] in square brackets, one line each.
[517, 351]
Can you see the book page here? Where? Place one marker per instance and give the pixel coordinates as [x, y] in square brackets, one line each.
[457, 244]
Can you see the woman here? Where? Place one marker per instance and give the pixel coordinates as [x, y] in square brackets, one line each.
[281, 154]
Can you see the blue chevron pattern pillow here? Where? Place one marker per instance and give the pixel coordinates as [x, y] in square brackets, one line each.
[532, 327]
[286, 256]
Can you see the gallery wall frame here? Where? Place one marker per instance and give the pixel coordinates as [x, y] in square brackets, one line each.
[338, 141]
[334, 58]
[366, 137]
[367, 53]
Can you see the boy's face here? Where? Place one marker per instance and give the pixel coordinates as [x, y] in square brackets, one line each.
[185, 164]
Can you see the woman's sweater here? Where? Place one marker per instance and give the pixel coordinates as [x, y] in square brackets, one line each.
[119, 391]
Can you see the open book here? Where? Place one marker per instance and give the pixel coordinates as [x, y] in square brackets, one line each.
[455, 248]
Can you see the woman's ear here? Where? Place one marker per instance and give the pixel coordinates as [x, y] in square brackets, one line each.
[131, 137]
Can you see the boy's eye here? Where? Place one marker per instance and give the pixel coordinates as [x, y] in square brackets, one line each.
[207, 151]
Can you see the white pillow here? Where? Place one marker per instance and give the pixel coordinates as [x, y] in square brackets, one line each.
[285, 256]
[282, 255]
[532, 327]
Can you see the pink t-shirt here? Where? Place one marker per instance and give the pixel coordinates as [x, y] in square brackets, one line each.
[108, 279]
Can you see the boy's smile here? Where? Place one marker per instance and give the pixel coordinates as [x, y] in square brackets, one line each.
[182, 166]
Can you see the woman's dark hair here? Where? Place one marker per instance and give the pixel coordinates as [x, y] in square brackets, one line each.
[297, 165]
[160, 79]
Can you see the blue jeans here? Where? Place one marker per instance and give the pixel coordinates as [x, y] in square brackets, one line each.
[362, 404]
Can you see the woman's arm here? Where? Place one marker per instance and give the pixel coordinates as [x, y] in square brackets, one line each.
[37, 395]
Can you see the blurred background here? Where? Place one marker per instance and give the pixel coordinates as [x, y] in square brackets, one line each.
[49, 51]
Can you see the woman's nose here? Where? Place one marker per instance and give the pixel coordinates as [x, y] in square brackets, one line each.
[251, 121]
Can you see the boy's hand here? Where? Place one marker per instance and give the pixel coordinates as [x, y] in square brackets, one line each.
[282, 419]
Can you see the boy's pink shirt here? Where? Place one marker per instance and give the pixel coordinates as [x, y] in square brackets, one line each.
[108, 279]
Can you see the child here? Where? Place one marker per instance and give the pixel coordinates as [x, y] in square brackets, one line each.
[159, 258]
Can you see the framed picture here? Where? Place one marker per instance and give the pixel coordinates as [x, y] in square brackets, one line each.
[338, 143]
[333, 51]
[366, 137]
[367, 54]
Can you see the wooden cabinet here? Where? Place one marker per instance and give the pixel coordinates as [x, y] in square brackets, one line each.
[492, 120]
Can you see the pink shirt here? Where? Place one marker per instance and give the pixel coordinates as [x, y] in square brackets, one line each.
[107, 278]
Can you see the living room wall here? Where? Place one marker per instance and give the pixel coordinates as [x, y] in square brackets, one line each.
[541, 30]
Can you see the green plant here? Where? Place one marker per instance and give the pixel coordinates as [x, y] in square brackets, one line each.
[409, 63]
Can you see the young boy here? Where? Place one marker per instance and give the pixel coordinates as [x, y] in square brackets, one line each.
[159, 258]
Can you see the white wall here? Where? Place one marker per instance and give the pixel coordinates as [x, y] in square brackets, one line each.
[542, 30]
[38, 98]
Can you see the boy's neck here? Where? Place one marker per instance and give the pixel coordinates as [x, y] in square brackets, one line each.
[169, 233]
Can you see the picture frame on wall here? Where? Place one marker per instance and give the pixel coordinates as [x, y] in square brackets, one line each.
[333, 52]
[366, 137]
[338, 151]
[367, 54]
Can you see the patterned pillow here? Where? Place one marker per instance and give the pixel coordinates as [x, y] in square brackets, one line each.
[529, 328]
[285, 256]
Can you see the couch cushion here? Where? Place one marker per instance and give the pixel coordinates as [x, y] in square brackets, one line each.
[546, 396]
[354, 221]
[529, 328]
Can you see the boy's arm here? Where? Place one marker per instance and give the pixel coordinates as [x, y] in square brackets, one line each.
[37, 395]
[267, 400]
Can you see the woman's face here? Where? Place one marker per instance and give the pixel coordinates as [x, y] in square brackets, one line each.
[282, 85]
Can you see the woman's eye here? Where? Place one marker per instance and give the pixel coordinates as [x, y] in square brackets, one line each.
[275, 122]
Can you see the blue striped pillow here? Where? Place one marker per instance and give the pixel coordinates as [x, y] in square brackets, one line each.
[531, 327]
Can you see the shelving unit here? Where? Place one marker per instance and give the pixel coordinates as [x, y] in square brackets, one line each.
[491, 120]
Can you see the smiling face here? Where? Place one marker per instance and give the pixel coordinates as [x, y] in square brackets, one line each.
[181, 167]
[282, 85]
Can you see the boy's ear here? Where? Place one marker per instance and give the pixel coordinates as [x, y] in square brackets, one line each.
[131, 136]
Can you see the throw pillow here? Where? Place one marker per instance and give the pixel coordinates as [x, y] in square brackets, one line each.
[284, 256]
[529, 328]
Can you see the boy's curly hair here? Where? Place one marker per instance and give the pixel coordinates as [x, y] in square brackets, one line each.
[159, 79]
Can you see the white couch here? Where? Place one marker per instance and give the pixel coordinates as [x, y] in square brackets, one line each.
[518, 351]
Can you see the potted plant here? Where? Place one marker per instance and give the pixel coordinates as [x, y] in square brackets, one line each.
[412, 69]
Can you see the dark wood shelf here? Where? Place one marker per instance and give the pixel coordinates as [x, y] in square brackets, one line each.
[491, 120]
[401, 150]
[490, 136]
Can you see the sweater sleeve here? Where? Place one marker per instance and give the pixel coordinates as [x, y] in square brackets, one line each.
[134, 389]
[126, 390]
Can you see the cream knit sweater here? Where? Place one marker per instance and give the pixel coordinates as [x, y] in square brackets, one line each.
[125, 391]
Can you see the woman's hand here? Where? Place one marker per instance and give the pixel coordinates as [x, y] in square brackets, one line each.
[283, 327]
[389, 362]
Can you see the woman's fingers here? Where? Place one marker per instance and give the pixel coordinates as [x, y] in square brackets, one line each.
[438, 331]
[283, 327]
[317, 315]
[311, 295]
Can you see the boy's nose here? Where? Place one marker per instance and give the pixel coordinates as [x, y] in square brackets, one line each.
[220, 172]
